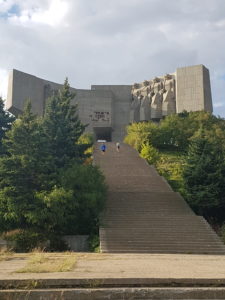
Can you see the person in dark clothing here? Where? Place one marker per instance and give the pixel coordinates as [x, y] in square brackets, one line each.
[118, 147]
[103, 148]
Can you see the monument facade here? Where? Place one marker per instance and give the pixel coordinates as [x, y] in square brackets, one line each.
[108, 109]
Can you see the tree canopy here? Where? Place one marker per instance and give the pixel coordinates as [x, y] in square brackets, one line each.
[204, 177]
[6, 120]
[45, 187]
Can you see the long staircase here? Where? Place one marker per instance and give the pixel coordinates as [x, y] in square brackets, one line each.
[143, 214]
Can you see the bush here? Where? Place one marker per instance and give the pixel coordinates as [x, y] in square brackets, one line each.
[94, 243]
[139, 133]
[150, 153]
[87, 141]
[22, 240]
[89, 193]
[170, 165]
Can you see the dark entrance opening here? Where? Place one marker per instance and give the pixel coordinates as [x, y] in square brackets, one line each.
[103, 133]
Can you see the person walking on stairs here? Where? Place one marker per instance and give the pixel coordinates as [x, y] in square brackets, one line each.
[103, 148]
[118, 147]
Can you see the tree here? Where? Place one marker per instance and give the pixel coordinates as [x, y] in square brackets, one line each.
[23, 171]
[63, 128]
[6, 120]
[175, 131]
[45, 189]
[73, 207]
[204, 177]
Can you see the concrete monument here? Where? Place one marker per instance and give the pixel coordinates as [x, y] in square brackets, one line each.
[108, 109]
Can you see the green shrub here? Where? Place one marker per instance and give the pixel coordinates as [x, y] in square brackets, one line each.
[24, 240]
[94, 243]
[170, 165]
[150, 153]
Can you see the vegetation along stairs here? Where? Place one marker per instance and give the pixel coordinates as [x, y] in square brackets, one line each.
[143, 214]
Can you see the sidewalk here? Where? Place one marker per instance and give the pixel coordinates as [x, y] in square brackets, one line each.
[114, 266]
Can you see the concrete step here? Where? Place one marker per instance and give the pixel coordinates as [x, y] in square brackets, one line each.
[117, 292]
[156, 244]
[153, 228]
[158, 251]
[148, 208]
[184, 243]
[164, 233]
[141, 234]
[182, 220]
[170, 247]
[142, 195]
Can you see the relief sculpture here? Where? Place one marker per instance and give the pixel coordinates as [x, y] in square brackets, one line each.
[153, 99]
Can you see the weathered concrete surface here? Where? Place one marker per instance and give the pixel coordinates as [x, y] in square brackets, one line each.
[193, 89]
[105, 265]
[115, 294]
[77, 243]
[119, 276]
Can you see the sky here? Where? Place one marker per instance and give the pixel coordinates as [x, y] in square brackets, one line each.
[112, 42]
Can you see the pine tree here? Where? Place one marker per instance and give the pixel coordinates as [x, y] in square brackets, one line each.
[204, 177]
[6, 120]
[63, 128]
[23, 171]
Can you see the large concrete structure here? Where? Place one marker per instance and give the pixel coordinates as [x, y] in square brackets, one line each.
[108, 109]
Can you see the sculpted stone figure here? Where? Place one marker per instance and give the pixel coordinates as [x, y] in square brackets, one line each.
[156, 106]
[154, 99]
[145, 109]
[169, 102]
[135, 107]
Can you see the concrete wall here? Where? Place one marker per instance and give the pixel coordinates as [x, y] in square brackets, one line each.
[102, 106]
[109, 107]
[77, 243]
[120, 106]
[207, 90]
[95, 108]
[22, 87]
[193, 92]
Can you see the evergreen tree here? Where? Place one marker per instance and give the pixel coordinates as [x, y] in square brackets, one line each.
[63, 128]
[6, 120]
[204, 177]
[23, 171]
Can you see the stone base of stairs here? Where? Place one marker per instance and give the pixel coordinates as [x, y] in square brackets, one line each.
[116, 294]
[115, 289]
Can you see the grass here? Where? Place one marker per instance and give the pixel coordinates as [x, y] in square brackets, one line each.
[49, 263]
[5, 255]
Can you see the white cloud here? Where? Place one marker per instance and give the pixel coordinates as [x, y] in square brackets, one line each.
[5, 5]
[3, 83]
[51, 15]
[219, 104]
[114, 42]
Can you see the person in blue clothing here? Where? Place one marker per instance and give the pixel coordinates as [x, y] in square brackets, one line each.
[103, 148]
